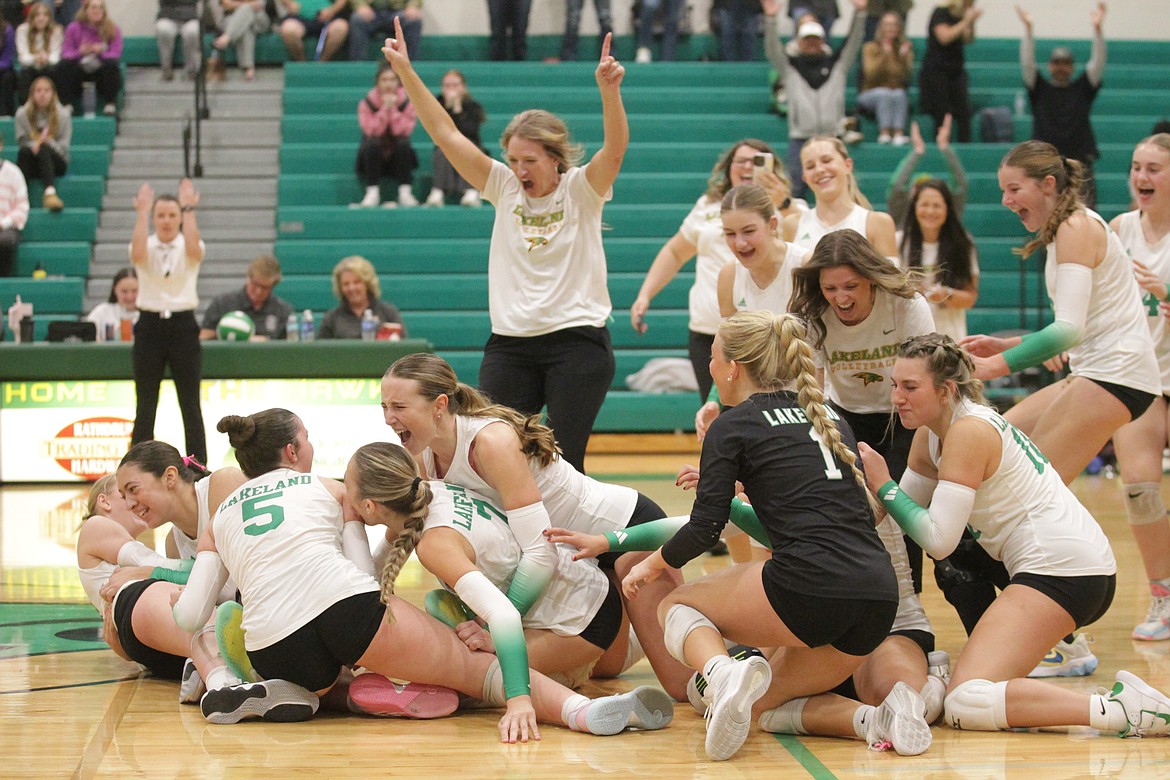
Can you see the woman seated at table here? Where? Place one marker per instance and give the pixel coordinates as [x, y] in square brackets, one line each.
[355, 283]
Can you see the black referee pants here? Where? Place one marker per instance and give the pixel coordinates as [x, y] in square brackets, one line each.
[158, 343]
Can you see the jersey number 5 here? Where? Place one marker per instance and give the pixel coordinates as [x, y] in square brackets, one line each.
[255, 510]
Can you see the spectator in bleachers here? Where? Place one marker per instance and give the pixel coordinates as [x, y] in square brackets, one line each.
[509, 19]
[879, 8]
[886, 62]
[370, 17]
[243, 20]
[825, 11]
[121, 307]
[573, 25]
[91, 51]
[13, 212]
[326, 22]
[547, 285]
[813, 80]
[1061, 107]
[898, 194]
[942, 82]
[66, 11]
[38, 48]
[933, 241]
[175, 18]
[355, 283]
[44, 130]
[167, 333]
[646, 18]
[738, 28]
[7, 68]
[269, 312]
[386, 117]
[468, 115]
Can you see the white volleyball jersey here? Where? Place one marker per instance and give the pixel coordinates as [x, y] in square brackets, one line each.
[1156, 257]
[572, 500]
[858, 359]
[748, 296]
[183, 543]
[577, 588]
[280, 536]
[703, 227]
[911, 616]
[93, 580]
[1117, 346]
[1025, 516]
[811, 229]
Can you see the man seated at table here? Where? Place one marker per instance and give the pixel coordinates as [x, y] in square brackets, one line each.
[268, 312]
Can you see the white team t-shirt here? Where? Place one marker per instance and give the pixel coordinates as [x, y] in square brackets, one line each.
[546, 263]
[167, 280]
[703, 227]
[858, 359]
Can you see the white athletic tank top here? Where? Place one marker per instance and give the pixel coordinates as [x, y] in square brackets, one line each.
[572, 500]
[1156, 257]
[576, 590]
[185, 544]
[810, 229]
[1025, 516]
[748, 296]
[1117, 346]
[93, 579]
[280, 537]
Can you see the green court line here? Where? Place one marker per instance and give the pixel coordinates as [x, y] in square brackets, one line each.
[804, 757]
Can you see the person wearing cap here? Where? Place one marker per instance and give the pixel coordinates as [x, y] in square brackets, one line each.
[813, 79]
[1061, 106]
[256, 299]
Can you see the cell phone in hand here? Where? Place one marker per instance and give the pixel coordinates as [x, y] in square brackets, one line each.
[761, 161]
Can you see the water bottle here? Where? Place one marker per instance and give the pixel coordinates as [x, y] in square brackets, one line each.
[308, 330]
[369, 325]
[292, 329]
[89, 99]
[1021, 103]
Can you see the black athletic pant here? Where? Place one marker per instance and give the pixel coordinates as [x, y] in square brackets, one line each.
[160, 342]
[569, 371]
[47, 164]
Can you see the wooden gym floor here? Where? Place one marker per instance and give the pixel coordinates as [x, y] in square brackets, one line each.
[71, 708]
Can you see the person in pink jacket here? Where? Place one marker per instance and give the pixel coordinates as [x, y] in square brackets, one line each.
[387, 119]
[91, 51]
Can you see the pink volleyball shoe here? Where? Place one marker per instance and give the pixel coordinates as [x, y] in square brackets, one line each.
[373, 694]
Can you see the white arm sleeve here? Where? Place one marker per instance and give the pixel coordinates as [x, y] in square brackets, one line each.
[950, 509]
[918, 487]
[135, 553]
[356, 546]
[194, 607]
[1074, 286]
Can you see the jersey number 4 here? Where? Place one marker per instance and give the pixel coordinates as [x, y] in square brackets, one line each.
[255, 510]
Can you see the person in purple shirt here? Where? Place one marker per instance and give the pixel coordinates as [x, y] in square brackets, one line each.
[92, 51]
[7, 73]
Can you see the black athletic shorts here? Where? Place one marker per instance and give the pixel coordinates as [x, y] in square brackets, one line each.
[645, 511]
[1084, 598]
[604, 627]
[160, 664]
[312, 656]
[1136, 401]
[923, 639]
[853, 626]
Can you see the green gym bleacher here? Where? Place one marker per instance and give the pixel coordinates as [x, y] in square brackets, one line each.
[61, 244]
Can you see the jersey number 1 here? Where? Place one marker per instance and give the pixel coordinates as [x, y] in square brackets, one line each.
[832, 471]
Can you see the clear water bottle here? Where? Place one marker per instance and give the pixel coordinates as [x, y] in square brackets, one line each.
[89, 99]
[1021, 103]
[293, 328]
[369, 325]
[308, 328]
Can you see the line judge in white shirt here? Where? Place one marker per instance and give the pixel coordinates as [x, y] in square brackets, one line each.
[167, 333]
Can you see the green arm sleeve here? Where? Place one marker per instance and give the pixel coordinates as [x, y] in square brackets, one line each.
[504, 624]
[177, 575]
[1037, 347]
[744, 517]
[529, 581]
[647, 536]
[913, 519]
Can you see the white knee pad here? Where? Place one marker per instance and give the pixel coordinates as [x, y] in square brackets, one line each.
[1143, 503]
[978, 705]
[493, 685]
[681, 620]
